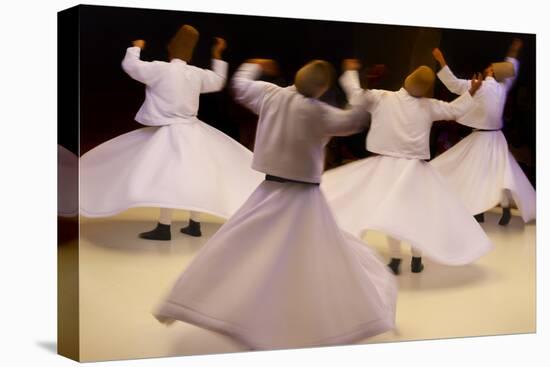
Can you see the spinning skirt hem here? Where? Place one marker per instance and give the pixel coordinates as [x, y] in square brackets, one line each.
[172, 311]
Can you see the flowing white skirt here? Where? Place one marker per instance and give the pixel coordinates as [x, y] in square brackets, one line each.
[281, 274]
[480, 167]
[188, 166]
[408, 200]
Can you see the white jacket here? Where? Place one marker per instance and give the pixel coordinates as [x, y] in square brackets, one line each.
[401, 123]
[173, 88]
[489, 100]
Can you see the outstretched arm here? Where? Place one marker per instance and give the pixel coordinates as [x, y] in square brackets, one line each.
[139, 70]
[247, 90]
[214, 80]
[452, 111]
[339, 122]
[455, 85]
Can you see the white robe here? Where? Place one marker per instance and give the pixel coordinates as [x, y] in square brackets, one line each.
[280, 273]
[178, 161]
[397, 192]
[480, 167]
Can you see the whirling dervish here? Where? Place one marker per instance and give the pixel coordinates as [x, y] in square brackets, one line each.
[280, 273]
[178, 162]
[397, 192]
[480, 168]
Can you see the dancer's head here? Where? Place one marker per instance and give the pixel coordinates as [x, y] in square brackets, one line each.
[183, 43]
[499, 70]
[420, 81]
[314, 78]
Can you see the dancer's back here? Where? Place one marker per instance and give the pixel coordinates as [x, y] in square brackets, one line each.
[173, 88]
[400, 122]
[490, 100]
[292, 129]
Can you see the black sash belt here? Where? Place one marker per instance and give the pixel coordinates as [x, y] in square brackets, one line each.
[487, 129]
[282, 179]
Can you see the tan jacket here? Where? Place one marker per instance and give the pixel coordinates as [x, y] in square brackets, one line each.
[292, 129]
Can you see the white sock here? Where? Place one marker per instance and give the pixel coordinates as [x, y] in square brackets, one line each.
[166, 216]
[506, 199]
[395, 247]
[415, 252]
[195, 216]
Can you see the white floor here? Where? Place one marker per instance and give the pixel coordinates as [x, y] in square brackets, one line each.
[123, 277]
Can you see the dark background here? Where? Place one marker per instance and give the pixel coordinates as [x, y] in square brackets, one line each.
[109, 99]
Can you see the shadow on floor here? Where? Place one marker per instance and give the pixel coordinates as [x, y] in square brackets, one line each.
[196, 341]
[122, 235]
[491, 226]
[437, 276]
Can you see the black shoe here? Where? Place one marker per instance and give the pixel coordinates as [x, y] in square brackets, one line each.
[416, 265]
[394, 265]
[161, 233]
[192, 229]
[480, 217]
[506, 216]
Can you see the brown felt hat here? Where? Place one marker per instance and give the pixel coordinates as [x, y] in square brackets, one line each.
[420, 81]
[183, 43]
[503, 70]
[314, 78]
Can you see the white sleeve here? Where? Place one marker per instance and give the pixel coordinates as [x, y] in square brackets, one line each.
[349, 81]
[214, 80]
[248, 91]
[142, 71]
[338, 122]
[451, 110]
[455, 85]
[509, 82]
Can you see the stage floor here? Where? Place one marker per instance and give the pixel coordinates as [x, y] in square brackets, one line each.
[122, 279]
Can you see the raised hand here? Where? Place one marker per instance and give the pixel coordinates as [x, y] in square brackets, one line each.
[139, 43]
[351, 64]
[438, 56]
[219, 47]
[515, 47]
[517, 44]
[476, 82]
[269, 66]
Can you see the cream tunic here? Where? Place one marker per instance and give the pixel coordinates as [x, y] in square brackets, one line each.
[285, 115]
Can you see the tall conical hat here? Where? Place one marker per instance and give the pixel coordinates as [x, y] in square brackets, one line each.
[313, 78]
[503, 70]
[419, 82]
[183, 43]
